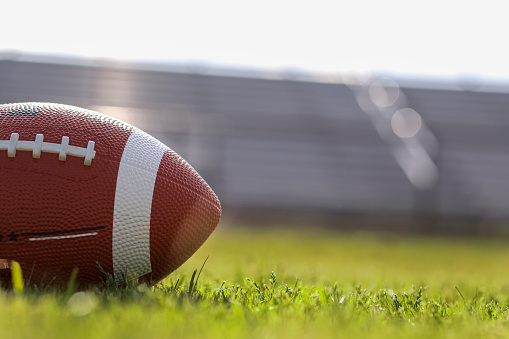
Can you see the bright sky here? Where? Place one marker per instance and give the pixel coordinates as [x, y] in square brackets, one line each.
[432, 37]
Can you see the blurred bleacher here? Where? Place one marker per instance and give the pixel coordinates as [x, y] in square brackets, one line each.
[301, 145]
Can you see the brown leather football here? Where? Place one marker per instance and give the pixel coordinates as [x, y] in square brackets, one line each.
[81, 189]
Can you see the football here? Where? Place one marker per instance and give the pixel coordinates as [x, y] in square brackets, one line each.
[79, 189]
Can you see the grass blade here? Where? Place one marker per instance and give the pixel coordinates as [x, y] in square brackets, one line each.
[17, 277]
[191, 283]
[71, 285]
[194, 283]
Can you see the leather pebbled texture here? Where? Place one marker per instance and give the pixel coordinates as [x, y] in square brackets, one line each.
[58, 215]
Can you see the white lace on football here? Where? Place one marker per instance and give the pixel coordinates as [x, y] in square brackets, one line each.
[38, 146]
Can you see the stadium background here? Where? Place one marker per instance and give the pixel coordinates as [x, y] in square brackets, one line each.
[293, 147]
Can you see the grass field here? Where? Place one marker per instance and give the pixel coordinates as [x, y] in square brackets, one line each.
[284, 283]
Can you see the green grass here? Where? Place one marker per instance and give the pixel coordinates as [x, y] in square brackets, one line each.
[284, 283]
